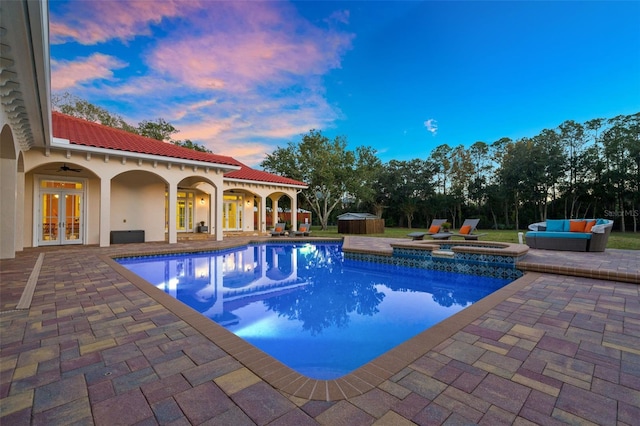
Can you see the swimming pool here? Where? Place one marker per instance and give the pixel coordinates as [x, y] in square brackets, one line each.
[308, 306]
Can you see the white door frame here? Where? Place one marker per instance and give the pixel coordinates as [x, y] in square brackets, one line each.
[75, 231]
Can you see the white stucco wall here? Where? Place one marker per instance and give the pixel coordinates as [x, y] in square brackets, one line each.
[138, 202]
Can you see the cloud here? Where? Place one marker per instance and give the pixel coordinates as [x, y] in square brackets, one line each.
[339, 16]
[67, 74]
[244, 46]
[92, 22]
[432, 126]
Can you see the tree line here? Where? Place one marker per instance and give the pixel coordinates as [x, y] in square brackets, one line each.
[577, 170]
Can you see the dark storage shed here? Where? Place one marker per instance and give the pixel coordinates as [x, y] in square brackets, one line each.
[360, 223]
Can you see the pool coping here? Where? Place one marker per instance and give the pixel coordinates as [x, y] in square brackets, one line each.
[287, 380]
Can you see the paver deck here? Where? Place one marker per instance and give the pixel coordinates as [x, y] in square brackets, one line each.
[561, 345]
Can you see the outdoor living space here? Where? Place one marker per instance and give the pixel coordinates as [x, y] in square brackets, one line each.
[99, 346]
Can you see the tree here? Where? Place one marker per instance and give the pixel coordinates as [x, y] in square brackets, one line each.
[187, 143]
[369, 167]
[160, 129]
[441, 155]
[548, 157]
[408, 186]
[573, 137]
[74, 106]
[326, 166]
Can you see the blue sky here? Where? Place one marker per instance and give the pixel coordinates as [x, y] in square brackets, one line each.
[402, 77]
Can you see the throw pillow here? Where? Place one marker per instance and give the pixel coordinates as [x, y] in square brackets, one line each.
[577, 225]
[589, 225]
[278, 229]
[464, 230]
[434, 229]
[555, 225]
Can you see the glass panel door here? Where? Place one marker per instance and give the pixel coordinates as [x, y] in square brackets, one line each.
[72, 209]
[181, 211]
[232, 213]
[49, 207]
[191, 210]
[61, 218]
[185, 211]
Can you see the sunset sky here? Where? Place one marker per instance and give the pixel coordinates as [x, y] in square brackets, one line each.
[244, 77]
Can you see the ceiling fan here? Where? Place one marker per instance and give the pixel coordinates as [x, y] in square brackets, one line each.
[65, 168]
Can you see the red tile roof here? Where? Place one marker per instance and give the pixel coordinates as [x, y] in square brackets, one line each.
[247, 173]
[82, 132]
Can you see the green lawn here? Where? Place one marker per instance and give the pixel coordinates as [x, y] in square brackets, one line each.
[617, 240]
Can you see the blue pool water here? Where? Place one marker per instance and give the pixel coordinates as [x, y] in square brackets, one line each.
[304, 304]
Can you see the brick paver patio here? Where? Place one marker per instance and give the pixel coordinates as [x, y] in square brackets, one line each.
[93, 348]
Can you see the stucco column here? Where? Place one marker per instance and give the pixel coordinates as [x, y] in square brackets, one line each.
[173, 202]
[294, 212]
[262, 227]
[8, 207]
[105, 212]
[274, 210]
[20, 211]
[218, 202]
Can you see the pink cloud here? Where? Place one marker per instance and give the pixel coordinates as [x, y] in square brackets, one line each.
[250, 44]
[67, 74]
[92, 22]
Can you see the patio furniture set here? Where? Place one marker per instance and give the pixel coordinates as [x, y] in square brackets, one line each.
[280, 230]
[588, 235]
[438, 232]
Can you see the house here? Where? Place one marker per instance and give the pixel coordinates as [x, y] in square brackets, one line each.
[65, 180]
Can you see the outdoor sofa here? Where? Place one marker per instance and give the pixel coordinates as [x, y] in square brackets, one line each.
[570, 234]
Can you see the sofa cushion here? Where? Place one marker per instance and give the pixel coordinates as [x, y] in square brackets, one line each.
[556, 225]
[577, 225]
[555, 234]
[589, 225]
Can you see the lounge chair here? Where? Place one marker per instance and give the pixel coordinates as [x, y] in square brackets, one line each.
[278, 230]
[467, 229]
[303, 229]
[433, 229]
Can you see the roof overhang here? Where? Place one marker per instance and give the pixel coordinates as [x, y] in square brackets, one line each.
[253, 182]
[64, 144]
[25, 71]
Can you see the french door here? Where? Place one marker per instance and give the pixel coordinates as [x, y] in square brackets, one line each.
[184, 211]
[61, 218]
[232, 213]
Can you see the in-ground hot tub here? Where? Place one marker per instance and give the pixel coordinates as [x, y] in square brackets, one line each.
[483, 258]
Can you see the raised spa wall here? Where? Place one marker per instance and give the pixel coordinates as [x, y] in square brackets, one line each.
[490, 259]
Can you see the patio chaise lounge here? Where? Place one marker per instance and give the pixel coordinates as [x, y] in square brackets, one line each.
[303, 229]
[278, 230]
[433, 229]
[467, 230]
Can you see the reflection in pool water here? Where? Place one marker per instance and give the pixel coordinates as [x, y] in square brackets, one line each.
[307, 306]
